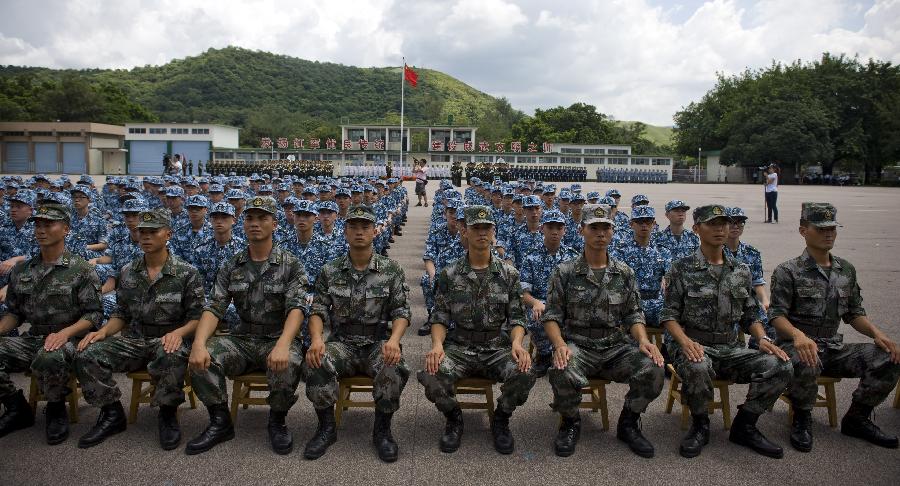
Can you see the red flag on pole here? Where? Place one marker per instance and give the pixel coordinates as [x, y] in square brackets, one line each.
[410, 76]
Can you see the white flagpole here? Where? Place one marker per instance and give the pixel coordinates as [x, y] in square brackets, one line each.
[402, 88]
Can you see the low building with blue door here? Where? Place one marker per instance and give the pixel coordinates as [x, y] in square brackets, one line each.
[147, 143]
[62, 147]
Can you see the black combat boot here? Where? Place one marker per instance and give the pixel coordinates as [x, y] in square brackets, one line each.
[110, 422]
[697, 437]
[503, 439]
[279, 435]
[801, 430]
[18, 414]
[220, 430]
[857, 424]
[745, 433]
[629, 432]
[453, 431]
[382, 439]
[169, 430]
[57, 423]
[567, 437]
[325, 434]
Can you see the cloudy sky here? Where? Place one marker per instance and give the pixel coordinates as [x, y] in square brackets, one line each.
[633, 59]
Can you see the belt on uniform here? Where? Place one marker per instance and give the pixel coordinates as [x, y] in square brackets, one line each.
[476, 337]
[358, 329]
[649, 294]
[817, 331]
[157, 331]
[709, 337]
[265, 329]
[594, 332]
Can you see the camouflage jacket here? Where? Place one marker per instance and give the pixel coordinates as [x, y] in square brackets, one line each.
[703, 298]
[264, 301]
[52, 298]
[649, 263]
[678, 247]
[539, 265]
[153, 308]
[491, 303]
[359, 306]
[208, 256]
[810, 298]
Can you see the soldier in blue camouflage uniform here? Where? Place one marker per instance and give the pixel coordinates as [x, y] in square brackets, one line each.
[439, 238]
[87, 226]
[58, 293]
[535, 278]
[329, 227]
[215, 249]
[152, 192]
[706, 294]
[749, 255]
[123, 248]
[811, 294]
[573, 238]
[237, 198]
[312, 249]
[528, 237]
[268, 287]
[158, 302]
[680, 241]
[594, 300]
[649, 263]
[174, 201]
[17, 241]
[186, 235]
[482, 296]
[363, 296]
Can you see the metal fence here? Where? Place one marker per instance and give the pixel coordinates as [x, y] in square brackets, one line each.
[688, 175]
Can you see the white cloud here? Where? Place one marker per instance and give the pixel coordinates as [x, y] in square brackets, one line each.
[627, 57]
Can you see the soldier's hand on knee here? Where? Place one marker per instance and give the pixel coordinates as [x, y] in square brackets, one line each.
[561, 356]
[521, 357]
[278, 358]
[91, 338]
[315, 353]
[199, 359]
[55, 341]
[433, 359]
[652, 351]
[889, 346]
[769, 347]
[171, 342]
[807, 349]
[391, 352]
[693, 351]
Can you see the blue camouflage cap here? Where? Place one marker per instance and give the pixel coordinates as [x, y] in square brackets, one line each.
[356, 189]
[134, 186]
[24, 196]
[56, 197]
[85, 179]
[608, 200]
[215, 188]
[549, 188]
[86, 190]
[40, 177]
[736, 214]
[531, 201]
[174, 191]
[284, 187]
[135, 205]
[235, 194]
[517, 198]
[325, 188]
[197, 200]
[455, 204]
[342, 192]
[565, 195]
[578, 197]
[508, 192]
[639, 198]
[59, 184]
[304, 206]
[290, 201]
[446, 184]
[643, 212]
[328, 206]
[265, 188]
[538, 189]
[553, 216]
[613, 193]
[310, 190]
[203, 180]
[453, 194]
[222, 207]
[461, 214]
[368, 188]
[676, 204]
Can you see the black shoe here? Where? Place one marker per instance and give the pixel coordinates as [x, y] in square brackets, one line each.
[382, 439]
[169, 430]
[279, 435]
[325, 434]
[542, 363]
[425, 329]
[18, 414]
[801, 430]
[453, 431]
[110, 422]
[697, 437]
[57, 423]
[567, 436]
[629, 432]
[503, 439]
[220, 429]
[418, 204]
[391, 240]
[857, 424]
[744, 432]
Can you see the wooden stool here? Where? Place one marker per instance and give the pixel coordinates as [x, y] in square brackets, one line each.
[476, 386]
[723, 404]
[596, 389]
[144, 394]
[828, 400]
[35, 396]
[244, 386]
[656, 336]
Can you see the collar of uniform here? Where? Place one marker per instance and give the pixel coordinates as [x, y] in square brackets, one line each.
[495, 266]
[375, 263]
[582, 267]
[63, 261]
[168, 268]
[274, 256]
[811, 262]
[700, 259]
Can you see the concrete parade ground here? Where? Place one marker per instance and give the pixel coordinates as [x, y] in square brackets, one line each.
[870, 239]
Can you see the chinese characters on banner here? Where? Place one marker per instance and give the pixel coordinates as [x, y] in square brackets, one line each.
[283, 143]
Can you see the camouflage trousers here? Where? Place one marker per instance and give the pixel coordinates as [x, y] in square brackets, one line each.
[51, 369]
[427, 291]
[493, 363]
[866, 361]
[619, 361]
[120, 354]
[343, 359]
[537, 335]
[767, 375]
[651, 309]
[238, 355]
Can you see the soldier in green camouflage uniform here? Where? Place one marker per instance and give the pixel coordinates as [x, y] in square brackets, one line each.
[58, 293]
[363, 296]
[268, 286]
[707, 294]
[158, 303]
[482, 296]
[596, 302]
[810, 296]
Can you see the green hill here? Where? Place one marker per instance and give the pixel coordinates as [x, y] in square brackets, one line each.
[661, 136]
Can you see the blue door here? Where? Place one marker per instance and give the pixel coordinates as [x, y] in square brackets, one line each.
[45, 160]
[73, 158]
[145, 157]
[16, 158]
[192, 151]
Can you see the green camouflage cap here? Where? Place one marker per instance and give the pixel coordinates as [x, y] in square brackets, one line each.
[478, 215]
[52, 212]
[263, 203]
[361, 211]
[821, 215]
[155, 218]
[596, 213]
[709, 212]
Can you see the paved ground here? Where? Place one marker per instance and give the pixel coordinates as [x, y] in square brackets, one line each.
[870, 239]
